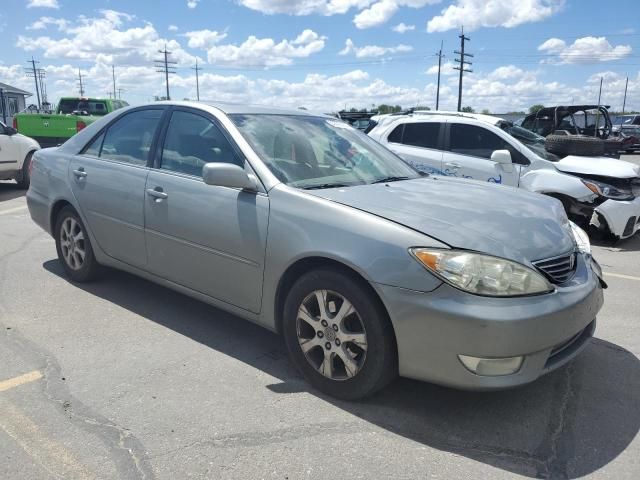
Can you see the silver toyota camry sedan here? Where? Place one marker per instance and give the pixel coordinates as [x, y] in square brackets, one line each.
[304, 225]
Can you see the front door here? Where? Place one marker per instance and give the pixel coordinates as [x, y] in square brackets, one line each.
[469, 155]
[418, 144]
[108, 179]
[211, 239]
[8, 151]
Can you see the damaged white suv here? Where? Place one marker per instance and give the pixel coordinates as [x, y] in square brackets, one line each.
[596, 191]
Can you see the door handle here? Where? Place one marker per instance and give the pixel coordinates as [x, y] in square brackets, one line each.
[80, 173]
[453, 165]
[157, 193]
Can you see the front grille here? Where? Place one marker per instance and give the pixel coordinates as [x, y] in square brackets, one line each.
[558, 269]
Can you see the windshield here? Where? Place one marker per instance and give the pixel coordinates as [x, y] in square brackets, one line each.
[317, 152]
[532, 140]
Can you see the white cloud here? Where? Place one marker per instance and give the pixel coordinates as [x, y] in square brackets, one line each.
[204, 38]
[403, 28]
[192, 3]
[583, 50]
[107, 37]
[474, 14]
[446, 69]
[43, 22]
[381, 11]
[43, 4]
[372, 50]
[173, 28]
[265, 52]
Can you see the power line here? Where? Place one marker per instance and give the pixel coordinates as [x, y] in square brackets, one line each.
[33, 73]
[197, 69]
[166, 66]
[462, 63]
[439, 55]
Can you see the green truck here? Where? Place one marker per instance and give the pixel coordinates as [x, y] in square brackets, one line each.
[51, 128]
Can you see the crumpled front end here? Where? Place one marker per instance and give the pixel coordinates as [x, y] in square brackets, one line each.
[621, 218]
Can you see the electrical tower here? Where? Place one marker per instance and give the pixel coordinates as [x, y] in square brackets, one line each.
[197, 69]
[439, 55]
[33, 73]
[462, 63]
[80, 84]
[166, 66]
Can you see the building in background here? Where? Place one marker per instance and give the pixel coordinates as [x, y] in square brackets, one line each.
[12, 101]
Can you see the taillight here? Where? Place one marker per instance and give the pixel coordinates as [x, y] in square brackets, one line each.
[15, 123]
[80, 125]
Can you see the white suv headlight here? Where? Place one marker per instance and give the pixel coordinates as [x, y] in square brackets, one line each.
[482, 274]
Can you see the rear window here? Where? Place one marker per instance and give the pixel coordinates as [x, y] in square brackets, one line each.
[91, 107]
[421, 134]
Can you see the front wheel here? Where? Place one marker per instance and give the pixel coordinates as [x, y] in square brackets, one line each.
[74, 247]
[339, 335]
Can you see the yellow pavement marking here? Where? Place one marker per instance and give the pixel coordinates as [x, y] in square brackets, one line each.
[12, 210]
[51, 456]
[619, 275]
[21, 380]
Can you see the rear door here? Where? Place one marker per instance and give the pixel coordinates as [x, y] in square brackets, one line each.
[469, 155]
[419, 144]
[108, 179]
[209, 238]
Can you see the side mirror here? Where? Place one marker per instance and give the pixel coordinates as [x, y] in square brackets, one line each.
[228, 175]
[503, 158]
[10, 131]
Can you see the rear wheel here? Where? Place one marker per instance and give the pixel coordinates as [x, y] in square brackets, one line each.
[74, 247]
[339, 335]
[24, 179]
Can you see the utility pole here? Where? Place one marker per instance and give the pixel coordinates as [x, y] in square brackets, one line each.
[113, 75]
[624, 101]
[462, 63]
[595, 130]
[32, 72]
[439, 55]
[120, 90]
[197, 69]
[80, 85]
[166, 66]
[42, 74]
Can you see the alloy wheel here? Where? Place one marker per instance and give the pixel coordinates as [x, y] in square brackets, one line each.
[72, 243]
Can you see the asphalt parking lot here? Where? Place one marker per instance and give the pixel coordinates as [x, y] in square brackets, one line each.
[122, 378]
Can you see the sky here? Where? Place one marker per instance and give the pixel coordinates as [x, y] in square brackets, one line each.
[326, 55]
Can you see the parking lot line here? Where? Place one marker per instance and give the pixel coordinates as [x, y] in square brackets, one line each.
[12, 210]
[20, 380]
[51, 456]
[619, 275]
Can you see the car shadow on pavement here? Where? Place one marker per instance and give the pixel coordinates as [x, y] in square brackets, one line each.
[631, 244]
[10, 190]
[567, 424]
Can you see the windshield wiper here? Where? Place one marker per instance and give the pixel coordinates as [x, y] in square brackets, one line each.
[325, 185]
[390, 179]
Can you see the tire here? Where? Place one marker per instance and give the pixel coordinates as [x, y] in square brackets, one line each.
[78, 268]
[574, 145]
[24, 180]
[371, 362]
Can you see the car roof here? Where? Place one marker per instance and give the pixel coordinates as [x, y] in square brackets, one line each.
[438, 115]
[238, 108]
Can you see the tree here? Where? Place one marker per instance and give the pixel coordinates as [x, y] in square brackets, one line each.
[536, 108]
[420, 107]
[485, 111]
[468, 109]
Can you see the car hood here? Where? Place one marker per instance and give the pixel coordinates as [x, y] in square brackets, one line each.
[603, 166]
[466, 214]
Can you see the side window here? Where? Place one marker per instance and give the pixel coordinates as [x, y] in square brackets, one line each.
[475, 141]
[421, 134]
[192, 141]
[93, 149]
[129, 138]
[396, 135]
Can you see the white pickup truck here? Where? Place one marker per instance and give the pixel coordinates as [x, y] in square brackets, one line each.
[16, 151]
[598, 191]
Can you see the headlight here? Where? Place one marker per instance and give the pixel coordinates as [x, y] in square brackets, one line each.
[581, 238]
[608, 191]
[482, 274]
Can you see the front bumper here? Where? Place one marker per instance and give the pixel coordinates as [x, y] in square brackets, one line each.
[622, 217]
[432, 329]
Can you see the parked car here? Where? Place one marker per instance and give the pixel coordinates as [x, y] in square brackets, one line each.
[628, 120]
[576, 130]
[15, 155]
[71, 116]
[597, 191]
[631, 132]
[308, 227]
